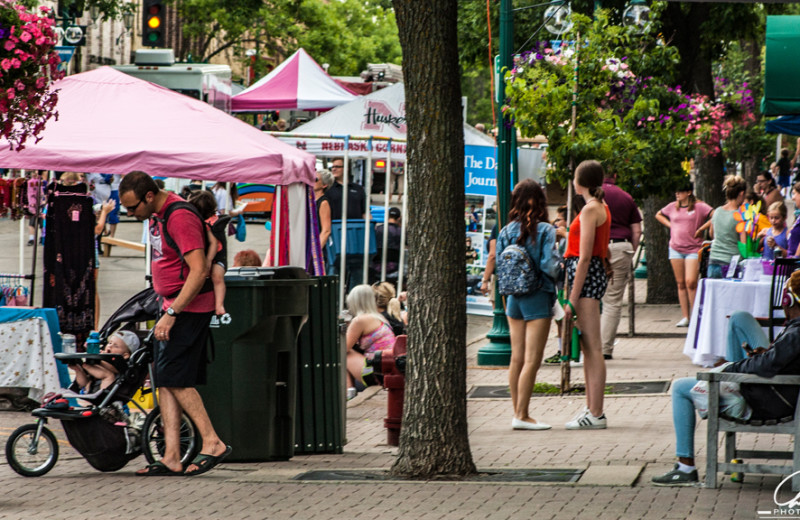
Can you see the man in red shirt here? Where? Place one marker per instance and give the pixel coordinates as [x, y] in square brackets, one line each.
[626, 229]
[182, 331]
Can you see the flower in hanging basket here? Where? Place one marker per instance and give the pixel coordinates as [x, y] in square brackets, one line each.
[28, 66]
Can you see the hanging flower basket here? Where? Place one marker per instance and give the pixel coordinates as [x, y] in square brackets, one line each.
[28, 66]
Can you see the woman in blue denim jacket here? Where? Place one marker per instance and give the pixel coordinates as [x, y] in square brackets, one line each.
[529, 315]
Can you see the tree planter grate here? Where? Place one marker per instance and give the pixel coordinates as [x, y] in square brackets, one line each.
[626, 388]
[501, 475]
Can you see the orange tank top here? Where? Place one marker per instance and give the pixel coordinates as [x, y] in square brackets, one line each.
[601, 236]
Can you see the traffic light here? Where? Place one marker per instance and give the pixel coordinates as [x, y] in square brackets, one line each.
[153, 23]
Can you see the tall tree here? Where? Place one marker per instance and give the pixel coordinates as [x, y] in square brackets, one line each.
[434, 439]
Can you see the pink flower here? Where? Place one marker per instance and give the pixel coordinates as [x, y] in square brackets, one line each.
[11, 93]
[9, 45]
[5, 64]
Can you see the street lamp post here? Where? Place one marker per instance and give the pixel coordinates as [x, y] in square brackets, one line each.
[498, 351]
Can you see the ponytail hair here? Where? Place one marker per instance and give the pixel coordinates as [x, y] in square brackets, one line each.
[590, 175]
[733, 185]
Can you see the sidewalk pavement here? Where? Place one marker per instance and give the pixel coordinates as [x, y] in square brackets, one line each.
[619, 461]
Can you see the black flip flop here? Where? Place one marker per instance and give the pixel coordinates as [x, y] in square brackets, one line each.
[206, 463]
[159, 469]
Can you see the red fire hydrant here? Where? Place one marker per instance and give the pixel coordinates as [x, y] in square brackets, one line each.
[391, 364]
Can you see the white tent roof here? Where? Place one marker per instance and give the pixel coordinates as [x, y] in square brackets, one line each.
[382, 114]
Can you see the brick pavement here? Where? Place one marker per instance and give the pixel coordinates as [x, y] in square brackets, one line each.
[639, 438]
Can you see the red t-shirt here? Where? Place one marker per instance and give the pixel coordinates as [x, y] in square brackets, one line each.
[188, 233]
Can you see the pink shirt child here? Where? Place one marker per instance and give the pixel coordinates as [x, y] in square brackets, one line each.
[684, 224]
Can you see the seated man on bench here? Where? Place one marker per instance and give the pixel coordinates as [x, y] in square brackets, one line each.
[767, 402]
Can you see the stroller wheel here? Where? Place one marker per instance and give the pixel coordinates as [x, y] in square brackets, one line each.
[29, 456]
[153, 438]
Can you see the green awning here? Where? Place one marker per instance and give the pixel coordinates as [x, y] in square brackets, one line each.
[781, 71]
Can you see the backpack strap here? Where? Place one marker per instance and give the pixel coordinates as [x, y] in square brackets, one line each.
[170, 242]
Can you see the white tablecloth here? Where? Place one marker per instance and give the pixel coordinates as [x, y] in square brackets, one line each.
[706, 340]
[26, 357]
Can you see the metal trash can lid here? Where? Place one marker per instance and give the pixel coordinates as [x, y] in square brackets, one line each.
[249, 274]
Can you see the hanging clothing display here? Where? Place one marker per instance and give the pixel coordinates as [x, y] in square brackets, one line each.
[69, 259]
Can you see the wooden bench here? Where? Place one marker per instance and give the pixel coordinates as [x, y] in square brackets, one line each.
[111, 241]
[718, 423]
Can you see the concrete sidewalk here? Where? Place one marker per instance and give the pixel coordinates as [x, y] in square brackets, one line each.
[619, 461]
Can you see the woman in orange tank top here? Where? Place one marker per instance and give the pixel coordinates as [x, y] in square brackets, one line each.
[587, 250]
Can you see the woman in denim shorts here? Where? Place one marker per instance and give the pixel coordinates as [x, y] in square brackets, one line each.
[529, 315]
[684, 218]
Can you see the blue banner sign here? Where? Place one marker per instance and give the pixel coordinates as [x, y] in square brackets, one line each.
[480, 168]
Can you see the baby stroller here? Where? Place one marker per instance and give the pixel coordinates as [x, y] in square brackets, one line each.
[100, 431]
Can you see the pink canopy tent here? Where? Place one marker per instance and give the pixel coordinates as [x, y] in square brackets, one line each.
[114, 123]
[297, 83]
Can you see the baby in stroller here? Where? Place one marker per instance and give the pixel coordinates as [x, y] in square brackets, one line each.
[95, 377]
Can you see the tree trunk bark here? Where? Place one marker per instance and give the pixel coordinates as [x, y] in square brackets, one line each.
[434, 438]
[661, 287]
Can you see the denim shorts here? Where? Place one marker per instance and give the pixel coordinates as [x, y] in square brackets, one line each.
[534, 306]
[674, 255]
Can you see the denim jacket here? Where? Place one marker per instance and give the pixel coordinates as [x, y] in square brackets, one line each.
[543, 251]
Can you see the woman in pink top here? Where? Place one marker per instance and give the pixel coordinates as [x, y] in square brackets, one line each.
[367, 333]
[684, 218]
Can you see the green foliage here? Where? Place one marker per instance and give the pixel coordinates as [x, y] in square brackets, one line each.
[347, 34]
[622, 105]
[739, 67]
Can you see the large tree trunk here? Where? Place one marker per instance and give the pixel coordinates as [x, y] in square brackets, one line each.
[661, 287]
[683, 28]
[434, 439]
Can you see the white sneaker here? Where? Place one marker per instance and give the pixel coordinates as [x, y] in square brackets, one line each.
[578, 363]
[586, 421]
[683, 323]
[351, 393]
[518, 424]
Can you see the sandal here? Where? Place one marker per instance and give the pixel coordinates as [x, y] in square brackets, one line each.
[206, 462]
[158, 469]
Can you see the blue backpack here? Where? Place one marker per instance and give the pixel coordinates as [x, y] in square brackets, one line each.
[517, 273]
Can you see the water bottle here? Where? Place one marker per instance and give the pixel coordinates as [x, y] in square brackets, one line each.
[93, 343]
[777, 252]
[68, 345]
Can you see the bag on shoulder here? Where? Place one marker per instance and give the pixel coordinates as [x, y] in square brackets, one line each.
[517, 272]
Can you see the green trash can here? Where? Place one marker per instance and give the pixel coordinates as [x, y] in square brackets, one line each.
[320, 408]
[252, 378]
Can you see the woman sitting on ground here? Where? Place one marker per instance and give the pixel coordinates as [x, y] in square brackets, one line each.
[767, 402]
[389, 306]
[367, 333]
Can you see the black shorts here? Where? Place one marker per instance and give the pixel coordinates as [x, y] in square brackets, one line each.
[596, 279]
[181, 361]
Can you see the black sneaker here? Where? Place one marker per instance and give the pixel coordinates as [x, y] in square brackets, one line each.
[607, 356]
[677, 477]
[553, 360]
[30, 242]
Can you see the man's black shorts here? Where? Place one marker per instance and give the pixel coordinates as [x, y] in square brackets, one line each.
[181, 361]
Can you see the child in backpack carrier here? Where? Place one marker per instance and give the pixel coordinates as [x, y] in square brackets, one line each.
[217, 254]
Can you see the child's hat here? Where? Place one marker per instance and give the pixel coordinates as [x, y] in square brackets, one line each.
[130, 339]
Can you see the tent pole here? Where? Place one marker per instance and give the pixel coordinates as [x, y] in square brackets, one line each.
[36, 218]
[387, 184]
[403, 230]
[368, 215]
[276, 218]
[343, 250]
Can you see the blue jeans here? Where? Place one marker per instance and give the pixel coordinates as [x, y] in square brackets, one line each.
[743, 327]
[683, 417]
[714, 270]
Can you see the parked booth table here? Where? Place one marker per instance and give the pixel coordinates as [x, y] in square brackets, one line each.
[718, 298]
[28, 340]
